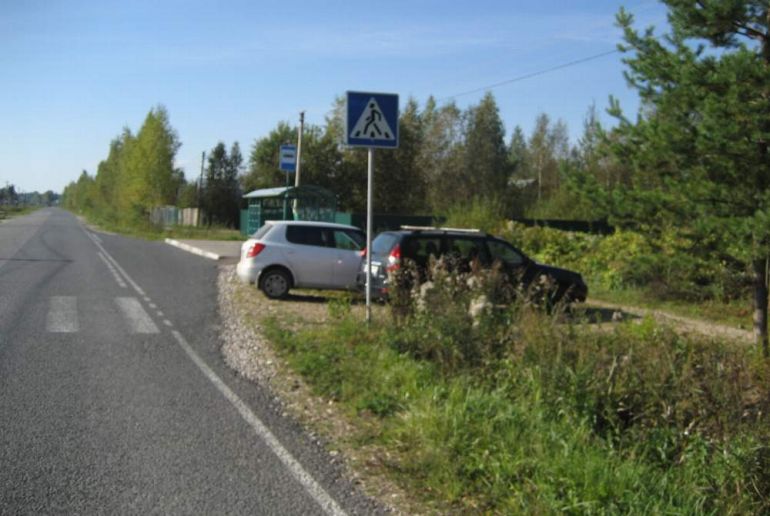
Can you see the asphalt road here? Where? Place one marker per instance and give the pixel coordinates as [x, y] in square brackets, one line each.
[114, 397]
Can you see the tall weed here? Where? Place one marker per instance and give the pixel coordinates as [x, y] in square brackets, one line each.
[508, 409]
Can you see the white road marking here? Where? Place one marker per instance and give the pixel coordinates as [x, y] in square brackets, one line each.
[62, 315]
[137, 318]
[112, 269]
[313, 488]
[322, 498]
[116, 264]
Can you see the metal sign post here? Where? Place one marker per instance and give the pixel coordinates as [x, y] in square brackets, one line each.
[287, 162]
[369, 203]
[371, 121]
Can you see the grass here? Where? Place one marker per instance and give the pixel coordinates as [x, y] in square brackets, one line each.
[551, 417]
[203, 233]
[148, 231]
[9, 212]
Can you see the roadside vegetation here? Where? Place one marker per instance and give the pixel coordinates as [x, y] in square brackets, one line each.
[7, 212]
[14, 203]
[498, 407]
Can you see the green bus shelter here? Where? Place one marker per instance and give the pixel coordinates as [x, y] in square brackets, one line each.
[305, 202]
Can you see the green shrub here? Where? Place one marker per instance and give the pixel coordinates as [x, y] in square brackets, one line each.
[669, 267]
[510, 410]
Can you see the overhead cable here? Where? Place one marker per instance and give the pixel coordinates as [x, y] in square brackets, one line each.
[530, 75]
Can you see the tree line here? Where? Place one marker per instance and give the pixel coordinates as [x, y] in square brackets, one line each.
[446, 156]
[137, 175]
[10, 196]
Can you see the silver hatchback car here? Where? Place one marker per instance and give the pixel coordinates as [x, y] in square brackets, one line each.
[283, 255]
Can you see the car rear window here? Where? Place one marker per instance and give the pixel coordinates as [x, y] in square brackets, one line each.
[261, 232]
[383, 243]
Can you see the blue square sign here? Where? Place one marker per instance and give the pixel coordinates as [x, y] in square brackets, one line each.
[287, 160]
[371, 120]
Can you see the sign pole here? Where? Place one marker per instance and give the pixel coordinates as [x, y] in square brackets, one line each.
[299, 146]
[369, 190]
[288, 163]
[371, 121]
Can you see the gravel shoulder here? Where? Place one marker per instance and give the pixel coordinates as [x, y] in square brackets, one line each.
[243, 309]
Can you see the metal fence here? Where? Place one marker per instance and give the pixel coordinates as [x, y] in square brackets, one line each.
[168, 216]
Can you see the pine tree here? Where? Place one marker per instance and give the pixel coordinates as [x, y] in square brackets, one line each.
[699, 150]
[486, 156]
[441, 154]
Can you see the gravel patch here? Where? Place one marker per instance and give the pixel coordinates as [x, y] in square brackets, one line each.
[248, 352]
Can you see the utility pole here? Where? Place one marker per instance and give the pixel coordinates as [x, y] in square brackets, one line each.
[299, 147]
[200, 190]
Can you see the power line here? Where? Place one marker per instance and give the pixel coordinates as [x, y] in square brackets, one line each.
[530, 75]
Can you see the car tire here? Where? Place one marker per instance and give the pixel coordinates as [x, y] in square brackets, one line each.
[275, 283]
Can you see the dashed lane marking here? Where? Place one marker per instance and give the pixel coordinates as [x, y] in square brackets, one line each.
[137, 318]
[112, 269]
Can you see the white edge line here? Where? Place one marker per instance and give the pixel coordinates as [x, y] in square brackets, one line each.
[193, 250]
[324, 500]
[314, 489]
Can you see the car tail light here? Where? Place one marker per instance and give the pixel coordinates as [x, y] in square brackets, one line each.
[362, 253]
[255, 250]
[394, 259]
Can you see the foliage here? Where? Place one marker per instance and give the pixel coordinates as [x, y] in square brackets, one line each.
[221, 192]
[8, 195]
[486, 215]
[263, 169]
[668, 266]
[699, 150]
[446, 156]
[508, 410]
[137, 175]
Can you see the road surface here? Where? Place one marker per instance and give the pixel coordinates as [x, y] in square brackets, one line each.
[113, 394]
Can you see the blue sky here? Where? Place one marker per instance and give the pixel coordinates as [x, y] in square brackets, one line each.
[74, 73]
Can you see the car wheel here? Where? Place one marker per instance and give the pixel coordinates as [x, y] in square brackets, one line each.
[275, 284]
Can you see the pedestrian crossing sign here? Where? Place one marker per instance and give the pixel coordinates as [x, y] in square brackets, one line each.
[372, 120]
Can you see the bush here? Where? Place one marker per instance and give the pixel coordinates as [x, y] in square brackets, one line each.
[668, 267]
[687, 414]
[497, 407]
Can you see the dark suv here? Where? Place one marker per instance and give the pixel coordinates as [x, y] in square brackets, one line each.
[391, 248]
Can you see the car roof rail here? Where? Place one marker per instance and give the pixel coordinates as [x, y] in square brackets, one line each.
[431, 228]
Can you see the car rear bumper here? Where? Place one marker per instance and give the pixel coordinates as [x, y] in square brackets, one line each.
[247, 272]
[379, 286]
